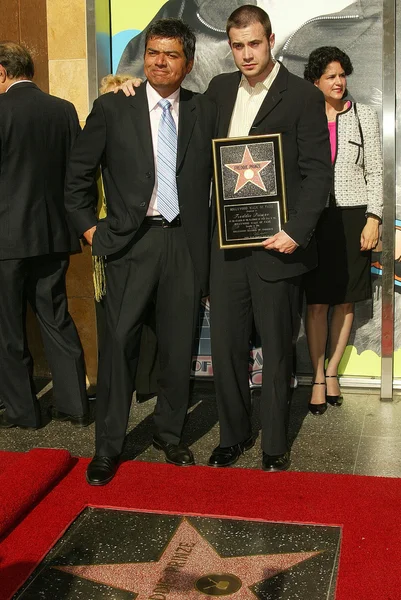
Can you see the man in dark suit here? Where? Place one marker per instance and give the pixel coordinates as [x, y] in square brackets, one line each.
[155, 236]
[37, 132]
[262, 284]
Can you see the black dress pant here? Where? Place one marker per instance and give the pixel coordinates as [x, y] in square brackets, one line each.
[238, 297]
[155, 267]
[148, 371]
[39, 280]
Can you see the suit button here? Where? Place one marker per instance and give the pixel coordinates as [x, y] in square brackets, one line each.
[142, 204]
[148, 174]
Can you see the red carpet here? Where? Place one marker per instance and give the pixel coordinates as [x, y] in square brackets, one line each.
[26, 480]
[366, 507]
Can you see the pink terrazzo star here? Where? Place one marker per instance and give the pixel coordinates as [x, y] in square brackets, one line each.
[191, 568]
[248, 171]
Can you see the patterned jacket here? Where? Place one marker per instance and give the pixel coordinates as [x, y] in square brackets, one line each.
[358, 166]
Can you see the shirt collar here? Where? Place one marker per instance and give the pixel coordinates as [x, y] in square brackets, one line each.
[154, 97]
[19, 81]
[266, 83]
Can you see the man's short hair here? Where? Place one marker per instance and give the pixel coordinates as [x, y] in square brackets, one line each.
[173, 28]
[16, 60]
[248, 15]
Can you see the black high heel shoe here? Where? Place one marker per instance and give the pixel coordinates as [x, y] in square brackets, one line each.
[334, 400]
[317, 409]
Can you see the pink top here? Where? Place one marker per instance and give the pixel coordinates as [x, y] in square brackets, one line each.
[333, 135]
[333, 138]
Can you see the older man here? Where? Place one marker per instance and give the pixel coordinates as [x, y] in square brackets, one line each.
[155, 154]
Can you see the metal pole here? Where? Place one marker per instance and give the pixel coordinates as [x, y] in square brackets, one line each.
[389, 191]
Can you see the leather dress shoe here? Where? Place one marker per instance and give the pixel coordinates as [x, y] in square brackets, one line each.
[334, 400]
[6, 424]
[78, 421]
[144, 397]
[102, 469]
[279, 462]
[176, 454]
[228, 455]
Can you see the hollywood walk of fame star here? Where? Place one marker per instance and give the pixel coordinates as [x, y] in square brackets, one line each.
[248, 171]
[191, 568]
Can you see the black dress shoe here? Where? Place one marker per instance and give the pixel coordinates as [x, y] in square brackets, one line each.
[78, 421]
[280, 462]
[176, 454]
[6, 424]
[226, 456]
[144, 397]
[334, 400]
[101, 469]
[317, 409]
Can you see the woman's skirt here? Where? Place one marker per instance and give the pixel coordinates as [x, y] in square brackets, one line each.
[343, 271]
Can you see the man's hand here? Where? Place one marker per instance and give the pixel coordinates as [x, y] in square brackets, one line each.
[88, 234]
[128, 87]
[370, 234]
[281, 242]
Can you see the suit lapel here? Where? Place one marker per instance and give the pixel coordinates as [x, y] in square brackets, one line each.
[186, 122]
[142, 134]
[227, 103]
[273, 96]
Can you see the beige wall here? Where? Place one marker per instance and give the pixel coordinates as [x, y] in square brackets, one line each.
[68, 78]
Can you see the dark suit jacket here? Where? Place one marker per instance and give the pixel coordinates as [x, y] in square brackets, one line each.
[294, 108]
[117, 135]
[37, 132]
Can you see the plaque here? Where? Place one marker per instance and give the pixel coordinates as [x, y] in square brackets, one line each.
[250, 189]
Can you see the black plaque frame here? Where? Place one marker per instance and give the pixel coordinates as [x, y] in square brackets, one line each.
[250, 195]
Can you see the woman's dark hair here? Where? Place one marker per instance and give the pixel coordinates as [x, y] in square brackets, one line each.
[173, 28]
[16, 60]
[320, 59]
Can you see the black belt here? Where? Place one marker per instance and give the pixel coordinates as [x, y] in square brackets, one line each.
[162, 222]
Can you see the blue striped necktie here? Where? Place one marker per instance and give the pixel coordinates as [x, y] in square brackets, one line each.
[167, 195]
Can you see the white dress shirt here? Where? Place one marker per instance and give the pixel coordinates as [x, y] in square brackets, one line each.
[19, 81]
[155, 112]
[248, 102]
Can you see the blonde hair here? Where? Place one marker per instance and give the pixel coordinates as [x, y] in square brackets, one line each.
[109, 82]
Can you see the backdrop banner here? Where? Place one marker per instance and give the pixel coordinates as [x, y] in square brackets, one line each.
[300, 27]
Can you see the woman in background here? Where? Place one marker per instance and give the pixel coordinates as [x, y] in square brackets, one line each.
[349, 226]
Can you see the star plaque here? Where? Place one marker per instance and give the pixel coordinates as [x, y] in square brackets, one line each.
[250, 189]
[124, 555]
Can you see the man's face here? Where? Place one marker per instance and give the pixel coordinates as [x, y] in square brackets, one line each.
[252, 51]
[165, 64]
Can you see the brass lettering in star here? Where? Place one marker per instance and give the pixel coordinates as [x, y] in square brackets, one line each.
[189, 567]
[248, 171]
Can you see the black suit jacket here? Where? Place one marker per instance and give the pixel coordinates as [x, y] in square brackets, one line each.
[117, 135]
[294, 108]
[37, 132]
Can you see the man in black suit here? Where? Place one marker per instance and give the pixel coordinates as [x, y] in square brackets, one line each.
[262, 284]
[153, 253]
[37, 132]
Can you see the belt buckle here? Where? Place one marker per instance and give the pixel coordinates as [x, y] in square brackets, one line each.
[165, 223]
